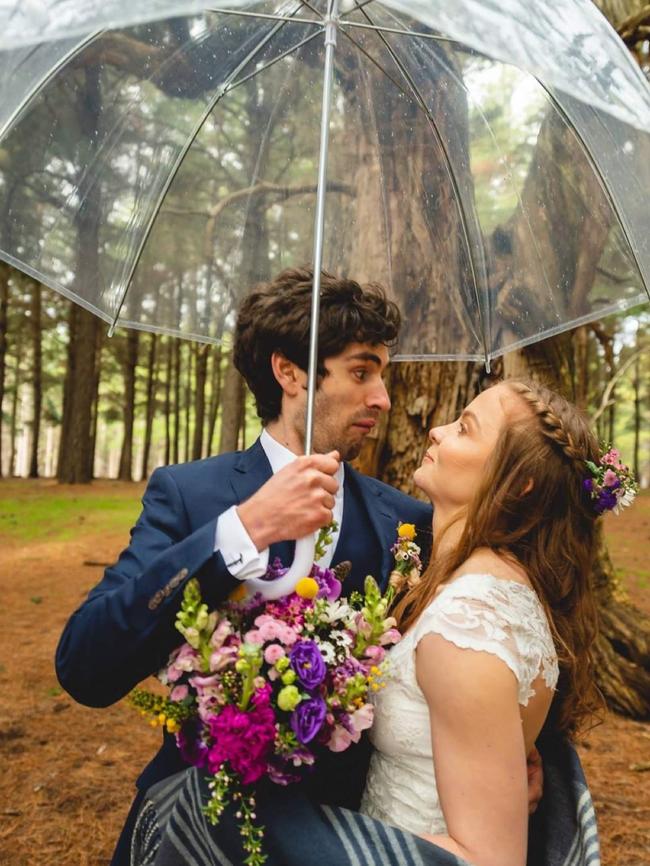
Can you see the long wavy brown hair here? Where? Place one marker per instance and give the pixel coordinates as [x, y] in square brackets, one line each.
[547, 527]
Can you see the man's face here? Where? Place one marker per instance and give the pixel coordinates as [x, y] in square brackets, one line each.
[349, 400]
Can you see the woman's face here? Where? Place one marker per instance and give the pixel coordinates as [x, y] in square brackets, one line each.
[454, 463]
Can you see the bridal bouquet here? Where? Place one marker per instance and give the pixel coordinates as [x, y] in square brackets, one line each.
[263, 688]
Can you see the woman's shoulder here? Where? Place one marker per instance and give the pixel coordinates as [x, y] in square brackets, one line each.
[491, 563]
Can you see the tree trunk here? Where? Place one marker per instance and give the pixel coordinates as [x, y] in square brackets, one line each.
[76, 445]
[99, 343]
[37, 367]
[177, 399]
[202, 354]
[231, 408]
[4, 308]
[636, 384]
[168, 401]
[188, 403]
[215, 398]
[130, 364]
[152, 377]
[14, 407]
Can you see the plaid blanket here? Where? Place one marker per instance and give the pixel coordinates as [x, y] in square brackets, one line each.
[171, 829]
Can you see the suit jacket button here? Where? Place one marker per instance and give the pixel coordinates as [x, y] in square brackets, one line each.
[155, 600]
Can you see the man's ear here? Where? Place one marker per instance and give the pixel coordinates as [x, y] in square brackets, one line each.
[527, 487]
[288, 375]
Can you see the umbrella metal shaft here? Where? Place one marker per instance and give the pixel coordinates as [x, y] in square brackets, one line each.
[319, 224]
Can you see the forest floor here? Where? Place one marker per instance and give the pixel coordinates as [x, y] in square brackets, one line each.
[68, 771]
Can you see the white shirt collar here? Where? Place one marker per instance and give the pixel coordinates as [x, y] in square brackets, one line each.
[279, 456]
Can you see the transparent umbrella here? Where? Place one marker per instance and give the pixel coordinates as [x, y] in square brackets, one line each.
[488, 163]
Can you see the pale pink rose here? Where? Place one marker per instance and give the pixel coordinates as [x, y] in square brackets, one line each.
[179, 693]
[272, 653]
[376, 654]
[287, 635]
[223, 657]
[340, 739]
[262, 618]
[271, 630]
[220, 633]
[390, 636]
[362, 718]
[610, 477]
[253, 636]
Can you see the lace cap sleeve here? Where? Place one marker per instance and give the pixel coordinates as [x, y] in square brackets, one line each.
[501, 617]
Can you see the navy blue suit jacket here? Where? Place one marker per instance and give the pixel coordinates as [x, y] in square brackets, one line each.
[124, 631]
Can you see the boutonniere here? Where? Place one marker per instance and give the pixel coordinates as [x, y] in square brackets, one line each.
[407, 569]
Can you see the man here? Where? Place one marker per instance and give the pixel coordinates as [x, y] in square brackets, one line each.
[222, 519]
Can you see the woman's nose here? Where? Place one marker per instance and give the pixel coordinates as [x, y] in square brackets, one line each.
[434, 435]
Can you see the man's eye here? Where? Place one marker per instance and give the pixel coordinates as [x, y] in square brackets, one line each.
[360, 374]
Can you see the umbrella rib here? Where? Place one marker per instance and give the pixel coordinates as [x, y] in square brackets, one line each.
[179, 160]
[44, 81]
[284, 54]
[356, 8]
[266, 15]
[484, 325]
[380, 28]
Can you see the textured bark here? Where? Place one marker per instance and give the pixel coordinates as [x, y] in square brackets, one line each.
[153, 359]
[130, 363]
[231, 403]
[76, 445]
[75, 457]
[37, 378]
[202, 355]
[4, 307]
[215, 398]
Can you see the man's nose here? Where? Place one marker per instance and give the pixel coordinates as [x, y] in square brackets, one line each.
[378, 398]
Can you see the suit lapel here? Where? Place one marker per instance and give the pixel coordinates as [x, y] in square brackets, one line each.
[380, 515]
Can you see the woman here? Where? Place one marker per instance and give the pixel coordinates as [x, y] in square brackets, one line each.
[499, 629]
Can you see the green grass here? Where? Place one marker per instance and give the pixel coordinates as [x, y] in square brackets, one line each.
[53, 515]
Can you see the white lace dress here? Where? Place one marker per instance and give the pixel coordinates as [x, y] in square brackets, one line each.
[475, 611]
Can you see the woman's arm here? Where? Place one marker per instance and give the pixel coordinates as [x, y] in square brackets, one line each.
[478, 752]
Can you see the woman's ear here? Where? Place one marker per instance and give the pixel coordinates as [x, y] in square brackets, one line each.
[287, 374]
[528, 487]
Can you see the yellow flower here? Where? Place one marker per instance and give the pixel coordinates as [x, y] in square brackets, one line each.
[162, 718]
[172, 726]
[238, 593]
[307, 587]
[406, 530]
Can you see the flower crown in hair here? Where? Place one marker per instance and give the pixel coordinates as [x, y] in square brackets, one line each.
[610, 484]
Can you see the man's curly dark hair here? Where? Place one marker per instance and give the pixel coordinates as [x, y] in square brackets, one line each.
[275, 318]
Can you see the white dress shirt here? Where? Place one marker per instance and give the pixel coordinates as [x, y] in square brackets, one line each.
[243, 560]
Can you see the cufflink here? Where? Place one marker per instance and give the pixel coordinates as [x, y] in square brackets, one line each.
[237, 561]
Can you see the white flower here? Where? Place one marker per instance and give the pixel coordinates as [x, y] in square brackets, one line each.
[327, 651]
[625, 499]
[341, 638]
[334, 611]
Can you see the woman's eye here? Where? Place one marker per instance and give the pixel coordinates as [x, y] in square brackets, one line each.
[461, 427]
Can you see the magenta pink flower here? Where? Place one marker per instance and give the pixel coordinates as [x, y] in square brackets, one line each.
[244, 739]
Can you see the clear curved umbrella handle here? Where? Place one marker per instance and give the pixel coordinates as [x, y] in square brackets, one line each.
[303, 561]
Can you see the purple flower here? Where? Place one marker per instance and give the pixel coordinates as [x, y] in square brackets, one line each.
[330, 585]
[308, 663]
[606, 501]
[190, 744]
[588, 485]
[307, 719]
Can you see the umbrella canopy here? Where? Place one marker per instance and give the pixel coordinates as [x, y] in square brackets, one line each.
[488, 163]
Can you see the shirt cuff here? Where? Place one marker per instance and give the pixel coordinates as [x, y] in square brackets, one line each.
[243, 560]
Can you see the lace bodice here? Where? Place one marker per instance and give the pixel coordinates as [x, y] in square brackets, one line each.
[475, 611]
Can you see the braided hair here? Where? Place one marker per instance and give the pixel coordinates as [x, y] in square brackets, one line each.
[531, 508]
